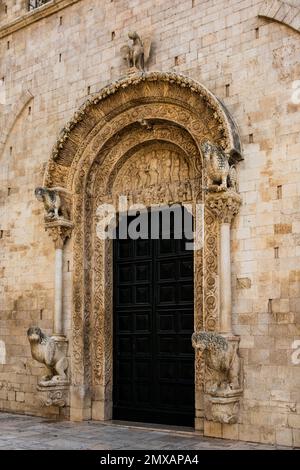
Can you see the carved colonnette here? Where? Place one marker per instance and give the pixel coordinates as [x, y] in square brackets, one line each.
[173, 116]
[219, 352]
[52, 350]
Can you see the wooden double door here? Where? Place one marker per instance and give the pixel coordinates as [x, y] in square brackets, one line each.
[153, 325]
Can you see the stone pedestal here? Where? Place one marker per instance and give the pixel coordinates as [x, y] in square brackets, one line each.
[54, 395]
[223, 408]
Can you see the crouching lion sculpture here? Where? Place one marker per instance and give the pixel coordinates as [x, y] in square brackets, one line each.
[221, 360]
[45, 350]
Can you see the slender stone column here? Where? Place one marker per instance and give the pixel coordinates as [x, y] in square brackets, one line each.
[225, 205]
[58, 304]
[225, 280]
[59, 232]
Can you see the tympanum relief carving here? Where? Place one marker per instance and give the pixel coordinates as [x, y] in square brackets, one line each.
[155, 176]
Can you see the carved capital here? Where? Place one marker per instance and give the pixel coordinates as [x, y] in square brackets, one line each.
[59, 231]
[224, 205]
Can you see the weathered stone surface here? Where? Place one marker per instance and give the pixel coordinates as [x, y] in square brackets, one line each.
[251, 64]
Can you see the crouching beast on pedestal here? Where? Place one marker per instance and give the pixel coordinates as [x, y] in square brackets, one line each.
[221, 360]
[220, 174]
[56, 202]
[45, 350]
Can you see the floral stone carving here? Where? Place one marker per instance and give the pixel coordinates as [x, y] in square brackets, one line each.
[222, 378]
[224, 205]
[49, 352]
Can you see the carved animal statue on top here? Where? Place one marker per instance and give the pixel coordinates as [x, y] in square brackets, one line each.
[45, 350]
[222, 360]
[55, 203]
[138, 53]
[219, 172]
[37, 4]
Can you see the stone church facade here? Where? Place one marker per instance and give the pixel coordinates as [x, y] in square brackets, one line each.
[184, 102]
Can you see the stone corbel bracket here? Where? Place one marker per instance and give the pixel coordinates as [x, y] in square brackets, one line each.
[222, 375]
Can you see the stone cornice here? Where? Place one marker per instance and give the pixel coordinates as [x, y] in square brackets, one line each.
[31, 17]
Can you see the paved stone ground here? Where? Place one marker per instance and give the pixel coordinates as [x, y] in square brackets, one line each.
[18, 432]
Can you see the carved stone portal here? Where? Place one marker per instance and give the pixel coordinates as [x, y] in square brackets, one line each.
[141, 136]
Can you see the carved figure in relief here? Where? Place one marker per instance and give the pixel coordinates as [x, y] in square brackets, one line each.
[176, 169]
[220, 174]
[221, 359]
[185, 172]
[187, 191]
[153, 172]
[167, 172]
[55, 202]
[44, 349]
[138, 53]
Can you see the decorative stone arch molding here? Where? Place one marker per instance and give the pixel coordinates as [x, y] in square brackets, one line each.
[282, 12]
[144, 136]
[15, 113]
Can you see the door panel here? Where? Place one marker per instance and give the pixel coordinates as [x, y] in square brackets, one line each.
[153, 324]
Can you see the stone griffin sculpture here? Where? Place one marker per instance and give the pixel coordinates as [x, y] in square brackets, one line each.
[45, 350]
[220, 174]
[56, 202]
[137, 54]
[221, 360]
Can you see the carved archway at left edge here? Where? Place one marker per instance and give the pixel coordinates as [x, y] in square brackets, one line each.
[146, 112]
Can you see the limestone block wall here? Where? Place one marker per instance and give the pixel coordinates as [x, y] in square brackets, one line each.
[252, 64]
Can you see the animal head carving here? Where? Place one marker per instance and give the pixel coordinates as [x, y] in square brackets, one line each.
[39, 193]
[35, 334]
[207, 148]
[133, 35]
[206, 340]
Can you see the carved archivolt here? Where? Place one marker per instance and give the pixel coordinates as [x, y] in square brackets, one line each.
[140, 136]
